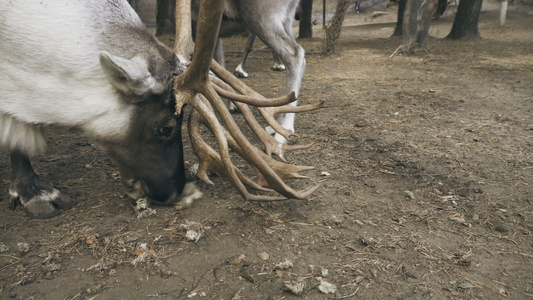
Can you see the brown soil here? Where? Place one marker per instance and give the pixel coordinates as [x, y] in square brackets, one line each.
[429, 192]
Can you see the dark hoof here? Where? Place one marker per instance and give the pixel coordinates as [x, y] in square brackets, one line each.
[45, 205]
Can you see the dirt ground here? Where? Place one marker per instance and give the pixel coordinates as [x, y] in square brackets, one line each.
[427, 169]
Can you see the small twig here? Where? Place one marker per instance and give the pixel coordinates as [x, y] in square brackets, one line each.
[74, 297]
[303, 224]
[7, 266]
[504, 237]
[478, 284]
[395, 51]
[11, 256]
[236, 296]
[351, 295]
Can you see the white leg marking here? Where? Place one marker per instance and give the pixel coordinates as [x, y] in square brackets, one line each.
[240, 72]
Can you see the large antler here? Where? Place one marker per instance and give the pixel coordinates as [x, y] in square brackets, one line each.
[195, 88]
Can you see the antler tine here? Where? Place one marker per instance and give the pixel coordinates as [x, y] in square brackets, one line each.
[271, 145]
[254, 101]
[218, 163]
[209, 158]
[268, 113]
[217, 129]
[284, 170]
[250, 154]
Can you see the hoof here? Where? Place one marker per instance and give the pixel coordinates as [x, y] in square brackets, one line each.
[278, 67]
[239, 72]
[44, 205]
[233, 109]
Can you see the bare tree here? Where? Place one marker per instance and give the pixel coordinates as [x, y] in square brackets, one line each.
[416, 23]
[465, 25]
[442, 5]
[333, 30]
[441, 9]
[399, 20]
[165, 17]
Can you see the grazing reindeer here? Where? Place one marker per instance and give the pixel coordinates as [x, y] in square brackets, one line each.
[93, 66]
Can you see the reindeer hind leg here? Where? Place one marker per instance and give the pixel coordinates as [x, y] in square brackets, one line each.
[284, 45]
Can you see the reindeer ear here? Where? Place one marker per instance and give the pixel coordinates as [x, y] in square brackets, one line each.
[130, 76]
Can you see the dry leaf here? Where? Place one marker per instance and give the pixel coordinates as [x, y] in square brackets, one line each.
[325, 173]
[280, 273]
[90, 239]
[141, 252]
[239, 259]
[263, 255]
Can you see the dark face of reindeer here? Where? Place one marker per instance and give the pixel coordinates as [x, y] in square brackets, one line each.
[150, 159]
[149, 152]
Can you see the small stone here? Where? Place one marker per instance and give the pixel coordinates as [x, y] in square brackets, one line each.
[263, 255]
[285, 265]
[325, 272]
[359, 278]
[466, 285]
[336, 220]
[327, 288]
[23, 247]
[296, 288]
[501, 228]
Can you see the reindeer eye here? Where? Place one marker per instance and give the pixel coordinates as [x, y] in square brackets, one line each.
[166, 129]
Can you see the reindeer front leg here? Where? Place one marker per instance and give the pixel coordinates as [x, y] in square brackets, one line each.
[38, 198]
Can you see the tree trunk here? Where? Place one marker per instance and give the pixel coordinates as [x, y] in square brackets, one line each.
[416, 23]
[333, 30]
[399, 20]
[165, 17]
[306, 28]
[465, 25]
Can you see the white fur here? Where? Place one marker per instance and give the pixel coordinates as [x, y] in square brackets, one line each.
[19, 135]
[50, 71]
[189, 194]
[43, 197]
[278, 66]
[240, 72]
